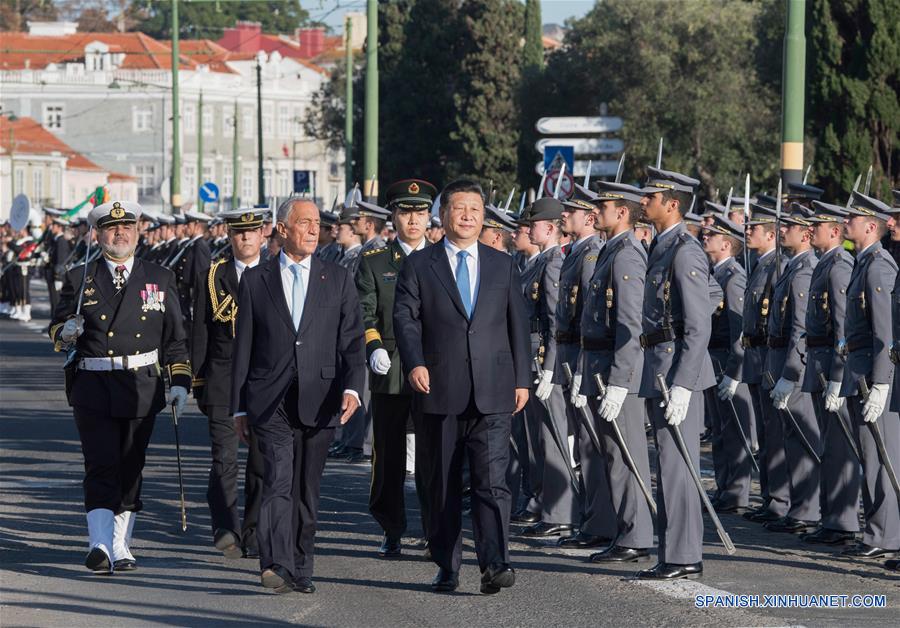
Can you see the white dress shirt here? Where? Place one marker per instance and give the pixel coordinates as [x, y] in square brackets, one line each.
[240, 267]
[128, 264]
[407, 249]
[471, 262]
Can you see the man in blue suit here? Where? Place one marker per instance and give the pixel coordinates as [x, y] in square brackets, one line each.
[298, 370]
[462, 330]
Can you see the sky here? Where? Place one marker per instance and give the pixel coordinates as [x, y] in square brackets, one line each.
[331, 11]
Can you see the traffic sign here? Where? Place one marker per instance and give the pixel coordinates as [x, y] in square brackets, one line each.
[556, 156]
[209, 192]
[566, 186]
[301, 181]
[598, 168]
[579, 124]
[583, 145]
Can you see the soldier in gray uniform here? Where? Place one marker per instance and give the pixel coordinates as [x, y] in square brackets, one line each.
[527, 463]
[610, 347]
[680, 296]
[868, 332]
[558, 501]
[760, 239]
[723, 241]
[825, 315]
[598, 519]
[785, 364]
[349, 242]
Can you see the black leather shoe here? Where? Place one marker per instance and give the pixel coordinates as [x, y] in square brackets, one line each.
[445, 581]
[619, 554]
[276, 579]
[390, 547]
[304, 585]
[97, 561]
[337, 450]
[756, 511]
[863, 550]
[228, 543]
[668, 571]
[523, 516]
[729, 509]
[706, 436]
[892, 564]
[544, 530]
[497, 576]
[125, 564]
[826, 536]
[357, 457]
[763, 516]
[584, 541]
[251, 552]
[791, 525]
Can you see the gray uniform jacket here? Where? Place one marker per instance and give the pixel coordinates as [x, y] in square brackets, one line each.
[544, 294]
[611, 317]
[787, 319]
[825, 316]
[727, 319]
[757, 309]
[680, 292]
[868, 326]
[350, 259]
[530, 273]
[574, 281]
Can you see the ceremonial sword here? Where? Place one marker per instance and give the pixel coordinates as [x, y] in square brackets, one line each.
[557, 437]
[837, 417]
[790, 415]
[180, 480]
[879, 441]
[737, 422]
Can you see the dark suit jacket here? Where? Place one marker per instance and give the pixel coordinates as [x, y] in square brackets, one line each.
[212, 333]
[326, 356]
[486, 358]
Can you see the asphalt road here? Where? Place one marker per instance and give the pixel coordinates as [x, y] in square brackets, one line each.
[184, 581]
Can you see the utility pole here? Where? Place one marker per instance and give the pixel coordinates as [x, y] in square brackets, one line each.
[793, 91]
[235, 150]
[348, 113]
[370, 162]
[261, 182]
[200, 150]
[175, 181]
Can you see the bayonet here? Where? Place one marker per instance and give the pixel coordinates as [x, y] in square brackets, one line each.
[806, 174]
[587, 175]
[868, 181]
[562, 174]
[659, 154]
[620, 168]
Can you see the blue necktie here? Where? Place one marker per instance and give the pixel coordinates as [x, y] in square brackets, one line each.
[462, 282]
[297, 296]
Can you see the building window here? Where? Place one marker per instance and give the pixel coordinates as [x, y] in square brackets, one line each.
[268, 127]
[146, 177]
[208, 176]
[248, 126]
[298, 122]
[53, 117]
[37, 184]
[142, 118]
[189, 182]
[54, 186]
[247, 185]
[189, 116]
[284, 181]
[284, 120]
[267, 182]
[227, 180]
[207, 121]
[228, 121]
[20, 181]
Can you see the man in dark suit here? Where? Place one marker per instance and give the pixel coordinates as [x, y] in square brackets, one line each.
[463, 332]
[298, 370]
[212, 335]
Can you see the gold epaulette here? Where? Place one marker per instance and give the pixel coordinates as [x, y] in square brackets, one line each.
[224, 311]
[374, 251]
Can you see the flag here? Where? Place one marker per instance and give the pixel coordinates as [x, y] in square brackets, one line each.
[97, 197]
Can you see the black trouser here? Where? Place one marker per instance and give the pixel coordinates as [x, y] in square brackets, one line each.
[445, 441]
[114, 452]
[221, 492]
[294, 457]
[390, 416]
[51, 291]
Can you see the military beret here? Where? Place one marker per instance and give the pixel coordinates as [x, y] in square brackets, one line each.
[114, 212]
[862, 205]
[659, 180]
[410, 195]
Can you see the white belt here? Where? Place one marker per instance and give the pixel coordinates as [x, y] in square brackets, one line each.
[118, 362]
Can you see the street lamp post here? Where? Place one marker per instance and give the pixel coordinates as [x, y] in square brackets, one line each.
[370, 168]
[175, 181]
[261, 184]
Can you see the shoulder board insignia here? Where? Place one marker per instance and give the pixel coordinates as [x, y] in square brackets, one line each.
[590, 258]
[374, 251]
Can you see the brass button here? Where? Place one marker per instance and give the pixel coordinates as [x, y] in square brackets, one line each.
[109, 352]
[136, 352]
[143, 318]
[137, 335]
[110, 334]
[103, 317]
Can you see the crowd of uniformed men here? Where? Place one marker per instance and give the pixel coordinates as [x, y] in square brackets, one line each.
[766, 326]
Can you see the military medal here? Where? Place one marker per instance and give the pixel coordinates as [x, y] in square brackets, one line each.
[153, 297]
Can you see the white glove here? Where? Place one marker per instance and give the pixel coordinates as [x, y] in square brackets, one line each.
[57, 285]
[727, 388]
[178, 396]
[874, 405]
[578, 400]
[833, 399]
[544, 386]
[73, 328]
[380, 361]
[781, 393]
[611, 404]
[676, 409]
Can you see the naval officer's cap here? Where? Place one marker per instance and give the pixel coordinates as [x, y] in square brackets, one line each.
[245, 219]
[114, 213]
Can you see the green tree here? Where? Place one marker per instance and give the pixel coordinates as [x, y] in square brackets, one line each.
[533, 50]
[210, 19]
[531, 83]
[15, 14]
[854, 46]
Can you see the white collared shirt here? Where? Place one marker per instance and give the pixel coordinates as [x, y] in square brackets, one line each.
[471, 263]
[352, 248]
[240, 267]
[128, 264]
[718, 264]
[287, 277]
[407, 249]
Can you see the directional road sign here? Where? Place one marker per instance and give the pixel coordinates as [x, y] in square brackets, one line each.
[583, 145]
[579, 124]
[209, 192]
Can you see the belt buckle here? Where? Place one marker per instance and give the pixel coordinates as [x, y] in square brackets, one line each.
[643, 341]
[125, 362]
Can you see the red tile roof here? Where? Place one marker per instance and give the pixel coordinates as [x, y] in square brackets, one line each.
[37, 51]
[28, 137]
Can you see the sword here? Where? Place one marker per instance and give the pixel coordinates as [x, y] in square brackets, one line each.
[620, 168]
[562, 173]
[659, 154]
[728, 201]
[626, 454]
[557, 437]
[587, 175]
[883, 457]
[71, 355]
[737, 422]
[790, 415]
[540, 193]
[806, 174]
[855, 188]
[778, 233]
[679, 440]
[509, 199]
[746, 220]
[868, 181]
[840, 421]
[180, 480]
